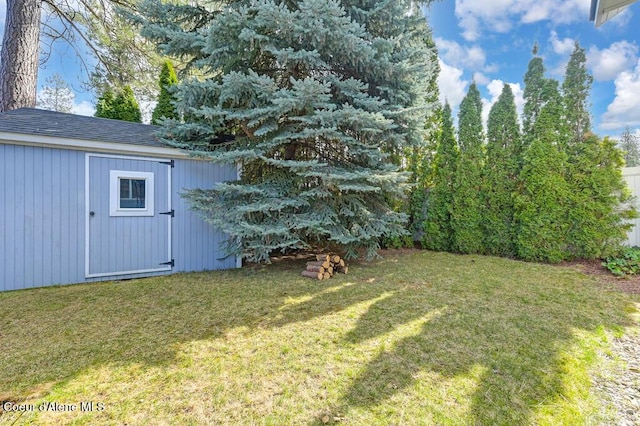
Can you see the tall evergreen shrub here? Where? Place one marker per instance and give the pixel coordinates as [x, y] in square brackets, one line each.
[438, 226]
[542, 204]
[121, 106]
[501, 176]
[466, 215]
[534, 83]
[165, 108]
[420, 158]
[576, 88]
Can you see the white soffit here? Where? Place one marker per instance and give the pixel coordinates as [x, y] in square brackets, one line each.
[607, 9]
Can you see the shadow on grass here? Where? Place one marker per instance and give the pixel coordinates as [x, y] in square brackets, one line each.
[514, 333]
[49, 335]
[514, 340]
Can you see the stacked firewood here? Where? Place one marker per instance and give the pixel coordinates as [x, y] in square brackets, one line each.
[325, 267]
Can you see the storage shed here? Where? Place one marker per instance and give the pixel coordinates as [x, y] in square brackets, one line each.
[88, 199]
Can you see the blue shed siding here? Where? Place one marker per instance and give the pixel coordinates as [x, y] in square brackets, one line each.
[42, 218]
[200, 251]
[43, 198]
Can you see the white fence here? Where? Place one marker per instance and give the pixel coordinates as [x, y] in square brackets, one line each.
[632, 176]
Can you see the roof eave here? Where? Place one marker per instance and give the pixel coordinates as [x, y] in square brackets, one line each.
[88, 145]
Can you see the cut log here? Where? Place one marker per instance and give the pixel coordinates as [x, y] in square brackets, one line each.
[342, 264]
[329, 270]
[325, 264]
[316, 275]
[345, 270]
[312, 268]
[323, 258]
[326, 276]
[335, 259]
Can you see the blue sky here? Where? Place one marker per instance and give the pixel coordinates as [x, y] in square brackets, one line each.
[490, 41]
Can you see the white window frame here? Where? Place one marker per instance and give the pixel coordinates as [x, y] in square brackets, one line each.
[114, 193]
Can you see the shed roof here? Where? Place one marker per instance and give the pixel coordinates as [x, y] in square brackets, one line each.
[32, 121]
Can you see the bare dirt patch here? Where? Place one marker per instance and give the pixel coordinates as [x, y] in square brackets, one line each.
[627, 284]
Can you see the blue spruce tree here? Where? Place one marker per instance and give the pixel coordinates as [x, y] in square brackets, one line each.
[313, 98]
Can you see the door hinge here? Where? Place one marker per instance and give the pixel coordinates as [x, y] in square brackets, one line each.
[171, 263]
[168, 163]
[171, 213]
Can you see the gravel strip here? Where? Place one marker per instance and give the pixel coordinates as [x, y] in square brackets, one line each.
[622, 389]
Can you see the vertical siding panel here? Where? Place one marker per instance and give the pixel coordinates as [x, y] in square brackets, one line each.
[101, 182]
[35, 205]
[177, 252]
[78, 199]
[6, 194]
[62, 211]
[67, 238]
[22, 274]
[61, 208]
[64, 234]
[47, 200]
[179, 234]
[119, 243]
[197, 242]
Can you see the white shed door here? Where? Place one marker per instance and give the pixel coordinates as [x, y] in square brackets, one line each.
[128, 215]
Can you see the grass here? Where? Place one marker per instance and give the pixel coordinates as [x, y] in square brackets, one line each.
[416, 338]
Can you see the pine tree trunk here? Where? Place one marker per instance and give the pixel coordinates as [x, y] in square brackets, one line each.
[19, 57]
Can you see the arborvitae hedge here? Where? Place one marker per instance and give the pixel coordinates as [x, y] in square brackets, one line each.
[122, 106]
[575, 90]
[544, 195]
[534, 82]
[466, 213]
[500, 176]
[420, 158]
[541, 206]
[438, 226]
[104, 106]
[599, 199]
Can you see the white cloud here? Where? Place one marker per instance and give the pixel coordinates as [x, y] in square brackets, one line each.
[460, 56]
[83, 108]
[562, 47]
[472, 14]
[480, 78]
[500, 15]
[452, 86]
[607, 63]
[625, 108]
[494, 88]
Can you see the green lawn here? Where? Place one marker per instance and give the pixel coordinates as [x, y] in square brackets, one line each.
[416, 338]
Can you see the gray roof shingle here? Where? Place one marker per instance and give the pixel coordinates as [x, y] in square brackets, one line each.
[32, 121]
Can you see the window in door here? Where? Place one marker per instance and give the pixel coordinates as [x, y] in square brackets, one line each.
[131, 193]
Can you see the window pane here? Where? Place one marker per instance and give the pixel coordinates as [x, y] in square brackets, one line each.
[124, 188]
[132, 193]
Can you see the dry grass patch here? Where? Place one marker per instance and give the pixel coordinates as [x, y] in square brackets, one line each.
[417, 338]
